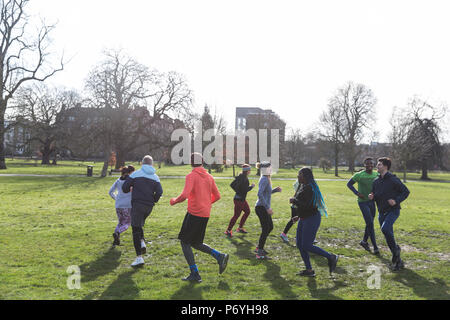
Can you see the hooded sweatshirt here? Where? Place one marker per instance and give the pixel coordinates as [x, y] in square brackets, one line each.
[147, 188]
[123, 200]
[201, 192]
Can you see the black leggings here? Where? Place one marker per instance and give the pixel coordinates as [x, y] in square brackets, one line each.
[290, 222]
[189, 255]
[138, 235]
[266, 225]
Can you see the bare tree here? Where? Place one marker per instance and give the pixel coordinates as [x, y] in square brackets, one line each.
[135, 104]
[356, 103]
[424, 134]
[294, 146]
[400, 129]
[40, 109]
[331, 124]
[415, 132]
[23, 57]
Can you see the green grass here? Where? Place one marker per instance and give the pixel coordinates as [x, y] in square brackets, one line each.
[50, 223]
[66, 167]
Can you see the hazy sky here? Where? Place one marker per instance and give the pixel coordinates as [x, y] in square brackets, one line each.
[288, 56]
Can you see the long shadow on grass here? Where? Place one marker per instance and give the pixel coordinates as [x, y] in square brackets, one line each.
[324, 293]
[244, 249]
[431, 290]
[190, 291]
[122, 288]
[102, 266]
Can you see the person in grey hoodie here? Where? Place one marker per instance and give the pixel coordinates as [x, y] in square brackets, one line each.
[263, 208]
[147, 190]
[122, 204]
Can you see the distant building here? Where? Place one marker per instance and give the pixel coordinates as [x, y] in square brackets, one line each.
[17, 140]
[86, 123]
[257, 118]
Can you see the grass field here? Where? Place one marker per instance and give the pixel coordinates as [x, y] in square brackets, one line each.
[50, 223]
[22, 166]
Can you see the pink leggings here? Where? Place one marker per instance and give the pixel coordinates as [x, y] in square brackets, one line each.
[123, 214]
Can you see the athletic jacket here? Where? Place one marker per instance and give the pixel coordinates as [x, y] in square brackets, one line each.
[264, 193]
[242, 187]
[147, 188]
[388, 187]
[123, 200]
[201, 191]
[303, 202]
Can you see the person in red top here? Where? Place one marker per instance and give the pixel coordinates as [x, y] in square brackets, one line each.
[201, 192]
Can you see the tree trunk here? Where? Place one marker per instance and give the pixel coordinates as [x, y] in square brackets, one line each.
[46, 152]
[424, 171]
[2, 136]
[120, 159]
[404, 172]
[336, 160]
[351, 158]
[55, 154]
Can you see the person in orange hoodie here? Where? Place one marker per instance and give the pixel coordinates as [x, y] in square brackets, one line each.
[201, 192]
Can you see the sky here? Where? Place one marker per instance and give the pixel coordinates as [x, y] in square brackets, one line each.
[288, 56]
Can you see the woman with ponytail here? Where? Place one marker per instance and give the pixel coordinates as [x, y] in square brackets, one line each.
[310, 208]
[263, 208]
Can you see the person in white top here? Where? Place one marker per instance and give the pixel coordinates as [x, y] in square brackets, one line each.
[123, 204]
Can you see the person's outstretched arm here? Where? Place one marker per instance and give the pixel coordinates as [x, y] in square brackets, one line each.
[188, 185]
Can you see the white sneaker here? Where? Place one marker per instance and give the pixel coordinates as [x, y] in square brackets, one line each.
[138, 262]
[143, 247]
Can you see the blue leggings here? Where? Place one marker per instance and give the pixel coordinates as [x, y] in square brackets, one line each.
[368, 212]
[306, 233]
[387, 221]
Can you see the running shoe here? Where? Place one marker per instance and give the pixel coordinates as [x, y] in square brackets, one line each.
[241, 230]
[376, 252]
[222, 260]
[263, 251]
[260, 255]
[194, 277]
[365, 245]
[138, 262]
[284, 237]
[228, 233]
[399, 265]
[116, 237]
[307, 273]
[396, 256]
[332, 262]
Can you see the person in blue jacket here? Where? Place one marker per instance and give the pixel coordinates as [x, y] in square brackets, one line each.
[147, 190]
[388, 192]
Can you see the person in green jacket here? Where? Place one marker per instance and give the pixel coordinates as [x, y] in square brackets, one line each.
[365, 179]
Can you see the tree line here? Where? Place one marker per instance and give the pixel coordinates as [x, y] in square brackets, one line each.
[126, 105]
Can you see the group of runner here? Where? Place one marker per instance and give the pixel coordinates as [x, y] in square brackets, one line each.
[307, 207]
